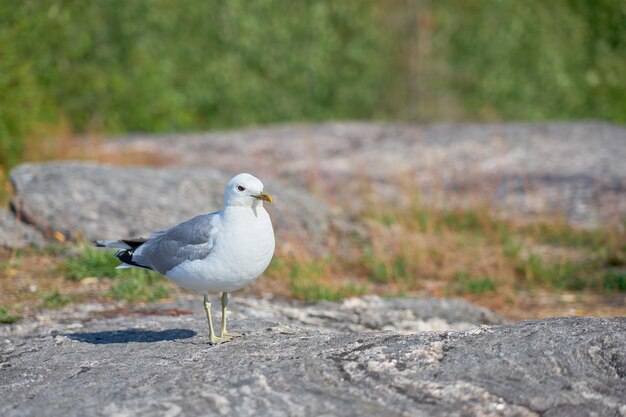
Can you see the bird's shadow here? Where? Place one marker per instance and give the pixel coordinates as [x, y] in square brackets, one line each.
[131, 336]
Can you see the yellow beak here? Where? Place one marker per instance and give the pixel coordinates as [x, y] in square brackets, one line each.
[264, 196]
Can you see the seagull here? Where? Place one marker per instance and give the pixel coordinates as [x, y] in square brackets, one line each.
[217, 252]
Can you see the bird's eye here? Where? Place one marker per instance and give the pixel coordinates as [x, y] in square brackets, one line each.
[240, 188]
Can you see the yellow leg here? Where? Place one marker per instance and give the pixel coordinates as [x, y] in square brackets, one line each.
[225, 334]
[213, 338]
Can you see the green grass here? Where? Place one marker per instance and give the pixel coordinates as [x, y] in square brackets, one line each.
[550, 254]
[91, 262]
[304, 281]
[312, 291]
[133, 285]
[307, 280]
[5, 317]
[383, 270]
[315, 291]
[54, 299]
[139, 285]
[564, 235]
[117, 66]
[559, 275]
[614, 280]
[511, 249]
[465, 252]
[464, 283]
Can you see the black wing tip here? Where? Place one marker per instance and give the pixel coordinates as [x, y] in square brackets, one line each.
[131, 243]
[134, 243]
[126, 256]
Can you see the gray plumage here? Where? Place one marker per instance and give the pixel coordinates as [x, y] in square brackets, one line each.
[189, 241]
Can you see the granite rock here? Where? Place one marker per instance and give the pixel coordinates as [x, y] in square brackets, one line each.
[149, 364]
[16, 234]
[575, 170]
[90, 201]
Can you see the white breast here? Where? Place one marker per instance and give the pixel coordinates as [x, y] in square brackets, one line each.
[244, 246]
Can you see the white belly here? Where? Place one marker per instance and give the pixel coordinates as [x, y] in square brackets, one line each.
[242, 252]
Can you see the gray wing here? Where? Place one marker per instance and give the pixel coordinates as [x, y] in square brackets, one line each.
[188, 241]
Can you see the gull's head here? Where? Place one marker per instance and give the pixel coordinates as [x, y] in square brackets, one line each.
[245, 190]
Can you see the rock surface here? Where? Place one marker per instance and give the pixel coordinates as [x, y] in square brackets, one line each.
[369, 313]
[89, 201]
[576, 169]
[283, 365]
[15, 234]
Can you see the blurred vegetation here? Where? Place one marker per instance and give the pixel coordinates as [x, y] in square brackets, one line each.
[139, 285]
[155, 65]
[402, 251]
[312, 280]
[471, 253]
[54, 299]
[475, 252]
[464, 283]
[90, 263]
[5, 317]
[131, 285]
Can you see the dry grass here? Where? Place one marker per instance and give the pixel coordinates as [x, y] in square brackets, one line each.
[520, 269]
[32, 280]
[59, 143]
[28, 277]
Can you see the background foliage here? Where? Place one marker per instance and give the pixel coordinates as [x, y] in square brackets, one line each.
[156, 65]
